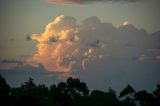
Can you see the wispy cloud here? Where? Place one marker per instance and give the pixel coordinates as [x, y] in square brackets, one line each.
[92, 1]
[11, 61]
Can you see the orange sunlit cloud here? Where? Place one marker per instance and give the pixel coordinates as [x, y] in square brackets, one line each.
[60, 47]
[125, 23]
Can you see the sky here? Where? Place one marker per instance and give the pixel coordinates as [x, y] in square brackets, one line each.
[106, 43]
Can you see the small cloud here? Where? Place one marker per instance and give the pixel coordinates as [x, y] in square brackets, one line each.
[24, 56]
[73, 1]
[125, 23]
[95, 43]
[91, 1]
[54, 39]
[11, 61]
[28, 37]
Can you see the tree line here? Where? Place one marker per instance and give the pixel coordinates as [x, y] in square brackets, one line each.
[73, 92]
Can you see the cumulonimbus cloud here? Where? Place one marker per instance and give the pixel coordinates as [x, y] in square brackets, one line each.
[92, 1]
[66, 45]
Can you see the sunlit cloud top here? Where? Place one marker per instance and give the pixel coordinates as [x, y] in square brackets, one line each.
[125, 23]
[65, 45]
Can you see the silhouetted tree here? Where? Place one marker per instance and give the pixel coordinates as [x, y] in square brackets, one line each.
[4, 92]
[144, 98]
[29, 94]
[73, 92]
[99, 98]
[76, 88]
[128, 90]
[127, 102]
[156, 94]
[128, 93]
[55, 95]
[68, 93]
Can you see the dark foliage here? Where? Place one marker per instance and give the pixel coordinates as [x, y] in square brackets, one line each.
[73, 92]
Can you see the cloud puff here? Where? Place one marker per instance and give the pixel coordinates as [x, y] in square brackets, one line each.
[65, 45]
[91, 1]
[28, 37]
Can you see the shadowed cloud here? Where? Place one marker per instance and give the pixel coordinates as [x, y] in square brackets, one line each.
[95, 1]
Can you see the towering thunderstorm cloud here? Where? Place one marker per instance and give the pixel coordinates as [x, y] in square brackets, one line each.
[64, 44]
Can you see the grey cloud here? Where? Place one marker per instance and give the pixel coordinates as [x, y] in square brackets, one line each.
[53, 39]
[125, 41]
[92, 1]
[11, 61]
[130, 55]
[28, 37]
[24, 56]
[95, 43]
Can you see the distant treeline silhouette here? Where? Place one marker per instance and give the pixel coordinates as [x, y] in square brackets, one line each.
[73, 92]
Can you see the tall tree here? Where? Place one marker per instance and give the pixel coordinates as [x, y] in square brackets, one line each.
[156, 94]
[4, 92]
